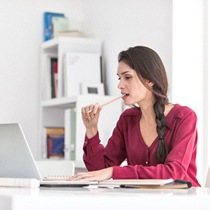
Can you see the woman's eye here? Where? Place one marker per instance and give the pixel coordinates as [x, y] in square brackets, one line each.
[125, 78]
[128, 77]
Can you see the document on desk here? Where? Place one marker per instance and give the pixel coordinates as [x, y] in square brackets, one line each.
[147, 183]
[135, 182]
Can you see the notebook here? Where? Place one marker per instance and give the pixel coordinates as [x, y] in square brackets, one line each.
[147, 183]
[17, 161]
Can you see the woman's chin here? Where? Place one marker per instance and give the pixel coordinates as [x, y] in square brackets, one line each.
[127, 103]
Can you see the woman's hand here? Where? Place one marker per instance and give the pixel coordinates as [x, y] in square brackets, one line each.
[90, 116]
[99, 175]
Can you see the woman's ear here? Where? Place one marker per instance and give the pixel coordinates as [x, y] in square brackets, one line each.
[150, 84]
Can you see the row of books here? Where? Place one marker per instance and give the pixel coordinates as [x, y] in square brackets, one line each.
[60, 142]
[54, 76]
[55, 142]
[57, 24]
[79, 70]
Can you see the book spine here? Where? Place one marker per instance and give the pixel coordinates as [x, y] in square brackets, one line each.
[48, 31]
[70, 134]
[67, 151]
[54, 71]
[73, 135]
[55, 143]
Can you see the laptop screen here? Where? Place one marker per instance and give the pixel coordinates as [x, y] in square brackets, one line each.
[16, 159]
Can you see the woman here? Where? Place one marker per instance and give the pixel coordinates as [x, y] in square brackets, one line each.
[156, 138]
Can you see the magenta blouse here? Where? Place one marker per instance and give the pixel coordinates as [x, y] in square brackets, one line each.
[126, 143]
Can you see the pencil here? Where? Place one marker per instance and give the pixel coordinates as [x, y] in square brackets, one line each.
[108, 102]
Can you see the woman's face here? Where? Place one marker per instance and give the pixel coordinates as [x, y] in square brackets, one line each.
[131, 86]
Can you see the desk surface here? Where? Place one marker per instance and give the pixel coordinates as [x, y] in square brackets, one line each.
[66, 198]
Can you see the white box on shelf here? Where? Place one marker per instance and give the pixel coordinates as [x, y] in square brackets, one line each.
[80, 68]
[91, 88]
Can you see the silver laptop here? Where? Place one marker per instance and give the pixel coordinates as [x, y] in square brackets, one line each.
[17, 161]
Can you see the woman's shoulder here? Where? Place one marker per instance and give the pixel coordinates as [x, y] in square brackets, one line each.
[130, 115]
[181, 111]
[180, 114]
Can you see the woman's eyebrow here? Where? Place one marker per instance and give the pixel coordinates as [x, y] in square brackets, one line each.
[123, 73]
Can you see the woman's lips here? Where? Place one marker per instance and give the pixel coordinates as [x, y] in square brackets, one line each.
[125, 96]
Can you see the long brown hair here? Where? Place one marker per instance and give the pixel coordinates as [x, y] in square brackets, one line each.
[149, 66]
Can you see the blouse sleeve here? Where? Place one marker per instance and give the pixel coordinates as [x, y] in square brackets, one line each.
[96, 156]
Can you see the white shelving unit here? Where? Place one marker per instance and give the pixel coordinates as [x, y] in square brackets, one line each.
[58, 48]
[66, 111]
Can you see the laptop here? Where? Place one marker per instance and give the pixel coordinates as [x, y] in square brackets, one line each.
[17, 161]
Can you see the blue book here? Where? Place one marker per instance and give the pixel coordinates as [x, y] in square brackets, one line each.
[48, 30]
[55, 145]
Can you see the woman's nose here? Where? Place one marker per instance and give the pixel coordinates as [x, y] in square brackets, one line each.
[120, 85]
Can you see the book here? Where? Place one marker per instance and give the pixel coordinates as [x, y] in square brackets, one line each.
[54, 76]
[173, 185]
[47, 74]
[50, 76]
[48, 29]
[55, 143]
[149, 183]
[59, 24]
[69, 33]
[135, 182]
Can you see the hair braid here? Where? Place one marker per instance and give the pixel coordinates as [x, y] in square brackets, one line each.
[162, 148]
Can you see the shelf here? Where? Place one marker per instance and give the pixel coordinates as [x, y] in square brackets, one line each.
[76, 43]
[65, 102]
[70, 102]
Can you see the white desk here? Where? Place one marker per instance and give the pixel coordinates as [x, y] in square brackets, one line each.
[103, 199]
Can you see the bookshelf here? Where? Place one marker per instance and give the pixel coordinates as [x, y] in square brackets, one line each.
[65, 111]
[58, 48]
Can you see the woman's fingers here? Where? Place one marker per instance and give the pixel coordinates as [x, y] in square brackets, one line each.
[90, 111]
[82, 176]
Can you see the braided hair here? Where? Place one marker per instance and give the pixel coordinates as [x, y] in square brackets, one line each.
[149, 66]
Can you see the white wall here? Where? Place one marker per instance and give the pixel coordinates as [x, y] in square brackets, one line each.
[118, 23]
[125, 23]
[20, 40]
[188, 66]
[206, 85]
